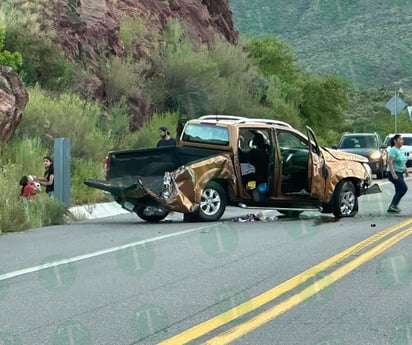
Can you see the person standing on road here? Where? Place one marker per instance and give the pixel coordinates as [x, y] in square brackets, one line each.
[165, 138]
[396, 168]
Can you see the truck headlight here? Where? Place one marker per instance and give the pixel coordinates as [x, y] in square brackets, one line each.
[375, 155]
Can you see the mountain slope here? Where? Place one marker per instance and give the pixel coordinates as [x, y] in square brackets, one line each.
[368, 42]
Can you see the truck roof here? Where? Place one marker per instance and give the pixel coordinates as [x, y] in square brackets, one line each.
[234, 120]
[220, 131]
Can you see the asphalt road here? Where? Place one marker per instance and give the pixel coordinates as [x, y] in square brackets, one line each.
[120, 281]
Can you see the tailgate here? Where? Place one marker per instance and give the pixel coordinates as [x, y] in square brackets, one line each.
[131, 187]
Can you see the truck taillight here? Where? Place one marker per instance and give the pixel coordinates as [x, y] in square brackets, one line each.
[105, 167]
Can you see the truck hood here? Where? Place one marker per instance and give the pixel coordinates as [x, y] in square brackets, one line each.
[364, 151]
[331, 154]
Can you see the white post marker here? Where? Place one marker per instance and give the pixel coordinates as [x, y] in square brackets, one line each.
[409, 107]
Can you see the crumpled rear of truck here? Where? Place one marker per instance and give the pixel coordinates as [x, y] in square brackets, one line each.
[179, 190]
[182, 188]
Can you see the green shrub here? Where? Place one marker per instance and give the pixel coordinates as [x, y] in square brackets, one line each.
[68, 116]
[283, 109]
[132, 29]
[16, 215]
[30, 31]
[185, 79]
[187, 83]
[44, 210]
[7, 58]
[324, 102]
[274, 57]
[136, 36]
[82, 170]
[194, 82]
[242, 88]
[147, 135]
[27, 154]
[122, 78]
[12, 215]
[115, 122]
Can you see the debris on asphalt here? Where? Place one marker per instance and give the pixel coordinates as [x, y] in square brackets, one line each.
[254, 217]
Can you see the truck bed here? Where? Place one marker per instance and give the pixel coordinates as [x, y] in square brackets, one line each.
[132, 171]
[153, 162]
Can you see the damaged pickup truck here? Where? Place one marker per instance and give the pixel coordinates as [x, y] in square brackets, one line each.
[227, 160]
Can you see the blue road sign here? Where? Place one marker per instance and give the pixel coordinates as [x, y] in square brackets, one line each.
[395, 105]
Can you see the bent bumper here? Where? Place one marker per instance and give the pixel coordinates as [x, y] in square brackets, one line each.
[374, 189]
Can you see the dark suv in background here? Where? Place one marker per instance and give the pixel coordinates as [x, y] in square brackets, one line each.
[369, 145]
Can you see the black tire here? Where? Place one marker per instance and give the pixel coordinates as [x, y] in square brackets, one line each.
[191, 217]
[212, 203]
[345, 200]
[152, 214]
[379, 175]
[290, 214]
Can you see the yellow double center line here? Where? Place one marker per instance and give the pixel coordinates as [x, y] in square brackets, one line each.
[268, 296]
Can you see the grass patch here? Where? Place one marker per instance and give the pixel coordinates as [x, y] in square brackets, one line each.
[44, 211]
[16, 215]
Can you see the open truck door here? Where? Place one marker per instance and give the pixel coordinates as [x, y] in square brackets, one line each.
[317, 171]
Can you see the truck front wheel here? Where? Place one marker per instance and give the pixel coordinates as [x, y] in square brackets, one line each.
[152, 214]
[345, 201]
[213, 202]
[290, 214]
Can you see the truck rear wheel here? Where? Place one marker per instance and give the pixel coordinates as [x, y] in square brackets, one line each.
[381, 173]
[191, 217]
[152, 214]
[213, 202]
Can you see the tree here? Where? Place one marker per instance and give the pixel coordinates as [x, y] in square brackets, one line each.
[30, 31]
[274, 57]
[324, 103]
[13, 60]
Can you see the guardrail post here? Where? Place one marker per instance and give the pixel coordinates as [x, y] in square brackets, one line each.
[62, 163]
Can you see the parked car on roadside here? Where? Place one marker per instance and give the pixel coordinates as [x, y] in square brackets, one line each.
[369, 145]
[407, 146]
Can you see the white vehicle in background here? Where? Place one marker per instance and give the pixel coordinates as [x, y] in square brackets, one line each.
[407, 145]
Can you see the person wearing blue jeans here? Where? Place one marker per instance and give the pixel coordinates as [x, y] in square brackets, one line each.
[395, 170]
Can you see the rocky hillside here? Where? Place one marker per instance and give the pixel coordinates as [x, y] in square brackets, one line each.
[366, 41]
[88, 30]
[13, 99]
[90, 33]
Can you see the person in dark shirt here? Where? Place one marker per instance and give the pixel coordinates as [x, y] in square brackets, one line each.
[165, 138]
[259, 158]
[48, 179]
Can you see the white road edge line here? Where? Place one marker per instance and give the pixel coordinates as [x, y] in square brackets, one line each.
[47, 265]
